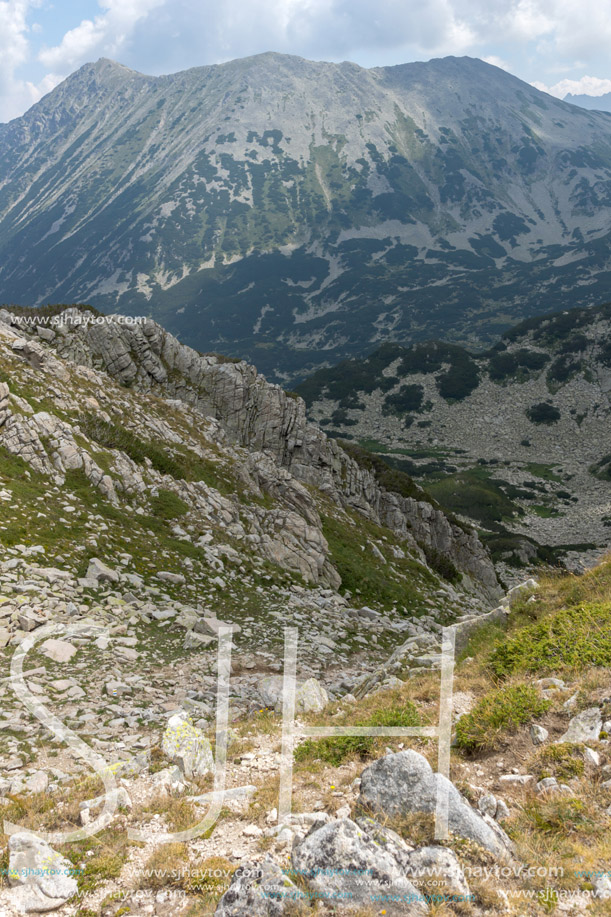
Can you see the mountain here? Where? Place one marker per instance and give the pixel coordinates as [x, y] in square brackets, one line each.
[295, 212]
[592, 103]
[168, 521]
[516, 439]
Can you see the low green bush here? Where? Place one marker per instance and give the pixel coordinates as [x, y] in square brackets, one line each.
[574, 638]
[168, 505]
[499, 713]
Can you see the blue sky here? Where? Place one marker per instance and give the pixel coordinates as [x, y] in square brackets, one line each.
[558, 45]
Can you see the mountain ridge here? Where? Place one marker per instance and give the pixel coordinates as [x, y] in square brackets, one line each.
[281, 209]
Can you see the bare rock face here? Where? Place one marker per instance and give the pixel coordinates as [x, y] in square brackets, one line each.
[584, 727]
[273, 426]
[403, 783]
[187, 746]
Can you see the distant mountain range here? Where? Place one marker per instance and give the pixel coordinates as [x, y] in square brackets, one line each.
[592, 103]
[295, 213]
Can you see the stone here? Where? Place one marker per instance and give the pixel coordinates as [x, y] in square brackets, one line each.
[195, 641]
[441, 866]
[187, 746]
[270, 691]
[37, 783]
[58, 650]
[341, 860]
[502, 810]
[488, 805]
[121, 795]
[262, 890]
[591, 757]
[311, 697]
[584, 727]
[517, 779]
[602, 885]
[100, 572]
[176, 579]
[403, 783]
[538, 734]
[42, 879]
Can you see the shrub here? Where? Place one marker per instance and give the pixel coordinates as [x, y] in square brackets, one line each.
[112, 436]
[408, 398]
[574, 638]
[501, 712]
[543, 413]
[563, 760]
[563, 368]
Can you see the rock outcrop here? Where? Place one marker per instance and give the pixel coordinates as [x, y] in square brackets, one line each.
[272, 424]
[404, 783]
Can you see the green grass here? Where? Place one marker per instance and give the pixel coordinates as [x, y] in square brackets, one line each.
[544, 511]
[498, 714]
[571, 639]
[546, 472]
[396, 582]
[168, 505]
[335, 751]
[474, 493]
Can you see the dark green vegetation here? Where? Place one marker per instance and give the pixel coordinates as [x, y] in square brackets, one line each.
[456, 376]
[558, 342]
[246, 202]
[543, 413]
[602, 468]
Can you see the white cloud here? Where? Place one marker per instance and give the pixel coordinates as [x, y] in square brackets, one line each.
[496, 62]
[587, 85]
[14, 94]
[105, 35]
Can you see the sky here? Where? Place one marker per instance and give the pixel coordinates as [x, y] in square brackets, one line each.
[559, 46]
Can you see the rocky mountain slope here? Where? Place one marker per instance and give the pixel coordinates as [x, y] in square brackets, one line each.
[516, 438]
[200, 478]
[287, 211]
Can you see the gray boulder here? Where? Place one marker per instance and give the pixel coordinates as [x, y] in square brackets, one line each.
[584, 727]
[341, 862]
[441, 868]
[538, 734]
[270, 691]
[311, 697]
[262, 890]
[41, 879]
[187, 746]
[404, 783]
[99, 572]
